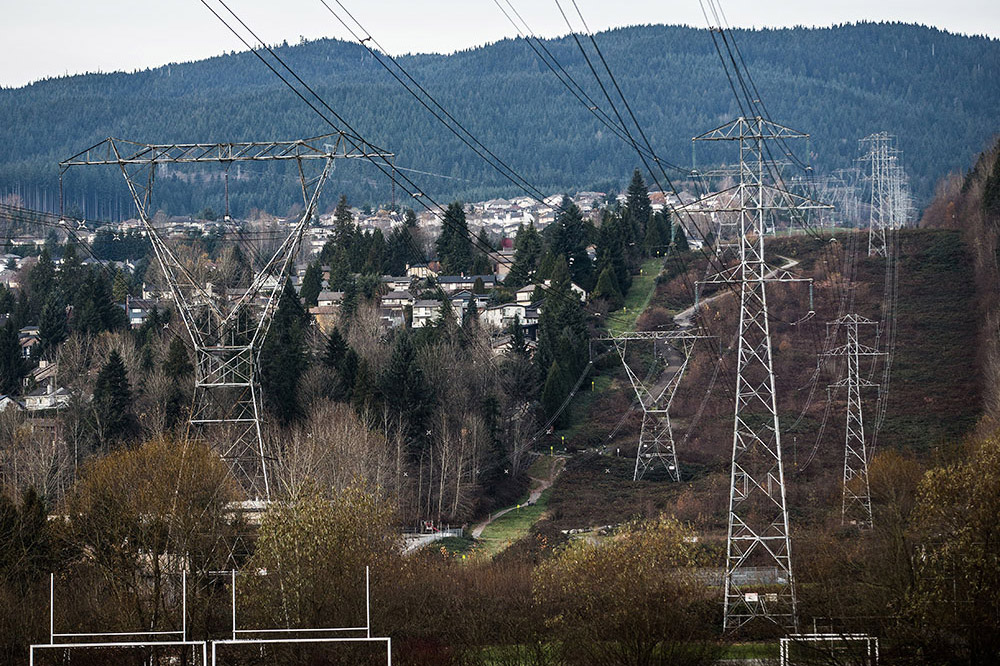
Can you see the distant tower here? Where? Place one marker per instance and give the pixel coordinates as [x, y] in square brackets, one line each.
[759, 580]
[655, 394]
[227, 328]
[856, 507]
[889, 202]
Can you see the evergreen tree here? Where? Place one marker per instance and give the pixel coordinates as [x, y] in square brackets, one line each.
[112, 402]
[657, 235]
[638, 206]
[343, 223]
[340, 357]
[607, 290]
[312, 284]
[12, 366]
[177, 365]
[569, 239]
[41, 281]
[611, 250]
[52, 327]
[410, 219]
[562, 326]
[72, 272]
[403, 386]
[527, 256]
[283, 357]
[454, 247]
[554, 392]
[680, 241]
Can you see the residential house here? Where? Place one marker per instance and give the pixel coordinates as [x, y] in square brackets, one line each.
[47, 396]
[426, 312]
[397, 283]
[139, 309]
[421, 270]
[330, 298]
[452, 283]
[397, 299]
[29, 338]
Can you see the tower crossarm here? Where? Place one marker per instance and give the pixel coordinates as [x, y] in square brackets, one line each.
[125, 152]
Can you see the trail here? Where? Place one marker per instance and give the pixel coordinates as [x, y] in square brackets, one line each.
[538, 486]
[684, 318]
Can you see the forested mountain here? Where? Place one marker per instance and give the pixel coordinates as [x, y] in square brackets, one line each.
[937, 91]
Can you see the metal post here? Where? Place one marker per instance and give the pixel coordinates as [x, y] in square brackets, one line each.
[368, 604]
[184, 612]
[234, 612]
[52, 608]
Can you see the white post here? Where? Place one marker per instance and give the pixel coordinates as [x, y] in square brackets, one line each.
[204, 653]
[184, 613]
[368, 604]
[52, 606]
[234, 615]
[388, 651]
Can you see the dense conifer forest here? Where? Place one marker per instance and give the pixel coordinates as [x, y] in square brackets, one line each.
[937, 91]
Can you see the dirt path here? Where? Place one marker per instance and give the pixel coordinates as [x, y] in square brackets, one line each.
[538, 486]
[684, 317]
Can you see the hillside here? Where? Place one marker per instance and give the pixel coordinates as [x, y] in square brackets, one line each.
[937, 91]
[931, 405]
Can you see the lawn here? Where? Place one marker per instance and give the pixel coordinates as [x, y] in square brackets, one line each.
[511, 527]
[639, 294]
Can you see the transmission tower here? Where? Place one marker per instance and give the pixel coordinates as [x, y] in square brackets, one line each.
[226, 329]
[759, 581]
[890, 206]
[655, 394]
[857, 505]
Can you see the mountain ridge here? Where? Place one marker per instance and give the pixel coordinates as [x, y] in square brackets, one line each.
[934, 89]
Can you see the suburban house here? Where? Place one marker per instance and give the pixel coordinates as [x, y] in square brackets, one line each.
[139, 309]
[451, 283]
[397, 299]
[330, 298]
[397, 282]
[427, 312]
[46, 396]
[421, 270]
[29, 339]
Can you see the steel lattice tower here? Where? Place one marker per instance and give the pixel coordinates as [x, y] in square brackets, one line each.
[656, 438]
[857, 505]
[226, 329]
[759, 582]
[889, 202]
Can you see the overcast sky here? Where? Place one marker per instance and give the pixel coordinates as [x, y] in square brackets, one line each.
[40, 38]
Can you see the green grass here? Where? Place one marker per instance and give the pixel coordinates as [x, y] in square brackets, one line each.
[751, 651]
[511, 527]
[454, 545]
[639, 294]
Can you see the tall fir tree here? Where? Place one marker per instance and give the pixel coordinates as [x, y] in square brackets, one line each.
[312, 284]
[112, 402]
[454, 245]
[339, 357]
[569, 240]
[638, 206]
[12, 365]
[283, 357]
[562, 326]
[52, 327]
[528, 250]
[403, 386]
